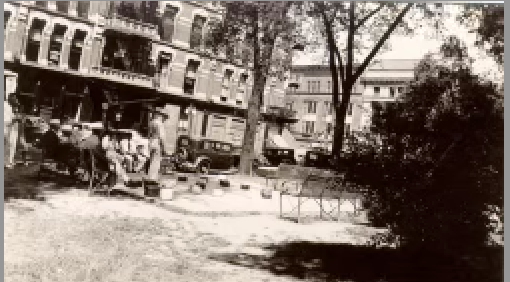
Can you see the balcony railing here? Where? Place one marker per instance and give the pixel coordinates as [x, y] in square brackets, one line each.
[131, 26]
[124, 76]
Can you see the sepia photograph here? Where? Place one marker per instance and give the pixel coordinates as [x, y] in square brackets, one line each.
[232, 141]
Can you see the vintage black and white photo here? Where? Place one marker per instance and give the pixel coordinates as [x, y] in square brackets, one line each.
[356, 141]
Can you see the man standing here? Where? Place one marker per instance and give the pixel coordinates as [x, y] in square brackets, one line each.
[156, 143]
[139, 147]
[11, 127]
[108, 144]
[125, 151]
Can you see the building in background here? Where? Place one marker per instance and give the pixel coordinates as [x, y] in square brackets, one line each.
[114, 60]
[309, 94]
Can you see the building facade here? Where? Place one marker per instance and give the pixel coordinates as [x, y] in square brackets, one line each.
[309, 94]
[114, 60]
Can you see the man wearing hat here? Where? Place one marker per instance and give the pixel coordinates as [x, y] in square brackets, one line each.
[156, 143]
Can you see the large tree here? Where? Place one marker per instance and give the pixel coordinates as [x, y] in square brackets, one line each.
[354, 33]
[487, 21]
[434, 162]
[265, 31]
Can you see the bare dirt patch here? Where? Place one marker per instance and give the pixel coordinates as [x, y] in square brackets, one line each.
[72, 237]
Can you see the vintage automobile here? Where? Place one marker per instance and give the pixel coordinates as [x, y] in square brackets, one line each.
[277, 156]
[318, 158]
[204, 155]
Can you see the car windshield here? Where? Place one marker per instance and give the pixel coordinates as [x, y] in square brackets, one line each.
[222, 147]
[284, 153]
[206, 145]
[226, 148]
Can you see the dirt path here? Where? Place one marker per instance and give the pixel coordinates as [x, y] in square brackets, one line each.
[72, 237]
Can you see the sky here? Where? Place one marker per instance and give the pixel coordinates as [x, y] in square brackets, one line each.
[417, 45]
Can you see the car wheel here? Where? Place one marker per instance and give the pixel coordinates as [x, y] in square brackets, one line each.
[204, 167]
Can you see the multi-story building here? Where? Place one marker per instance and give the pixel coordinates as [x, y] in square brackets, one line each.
[113, 60]
[309, 94]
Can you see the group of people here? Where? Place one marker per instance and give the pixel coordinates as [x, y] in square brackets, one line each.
[128, 151]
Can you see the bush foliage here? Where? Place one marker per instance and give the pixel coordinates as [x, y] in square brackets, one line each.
[433, 162]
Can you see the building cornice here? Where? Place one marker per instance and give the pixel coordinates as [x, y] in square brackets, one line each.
[56, 13]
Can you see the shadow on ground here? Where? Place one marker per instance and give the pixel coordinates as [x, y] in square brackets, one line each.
[342, 262]
[22, 182]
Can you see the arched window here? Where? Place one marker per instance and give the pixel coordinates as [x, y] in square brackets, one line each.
[63, 6]
[83, 9]
[227, 78]
[168, 23]
[164, 61]
[190, 78]
[77, 49]
[196, 32]
[34, 40]
[7, 15]
[56, 40]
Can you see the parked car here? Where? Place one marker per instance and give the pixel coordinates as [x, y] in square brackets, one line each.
[318, 158]
[204, 155]
[277, 156]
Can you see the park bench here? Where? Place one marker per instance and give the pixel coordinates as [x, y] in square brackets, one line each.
[312, 184]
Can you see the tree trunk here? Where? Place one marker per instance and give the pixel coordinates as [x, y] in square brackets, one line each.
[252, 120]
[340, 114]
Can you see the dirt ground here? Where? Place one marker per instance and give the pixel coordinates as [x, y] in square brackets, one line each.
[238, 236]
[73, 237]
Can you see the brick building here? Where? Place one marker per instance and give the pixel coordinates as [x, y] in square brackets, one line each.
[309, 94]
[113, 60]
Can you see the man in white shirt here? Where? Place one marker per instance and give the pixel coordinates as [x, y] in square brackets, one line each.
[108, 144]
[125, 151]
[139, 148]
[156, 143]
[11, 131]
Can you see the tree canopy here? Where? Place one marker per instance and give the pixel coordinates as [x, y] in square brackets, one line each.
[263, 33]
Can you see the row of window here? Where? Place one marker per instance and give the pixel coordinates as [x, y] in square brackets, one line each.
[82, 7]
[129, 9]
[119, 53]
[392, 90]
[311, 107]
[309, 128]
[55, 46]
[315, 87]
